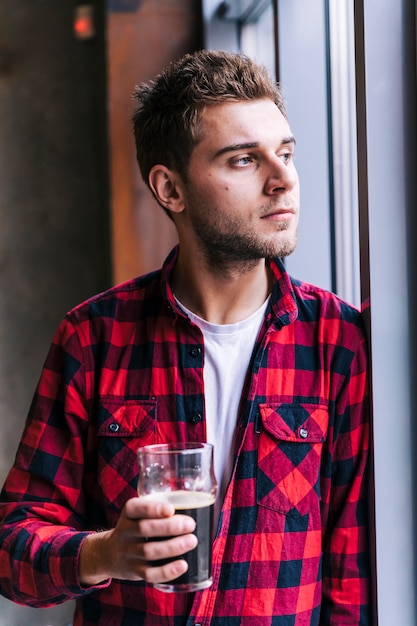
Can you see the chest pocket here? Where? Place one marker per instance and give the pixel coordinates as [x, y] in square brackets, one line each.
[289, 457]
[124, 426]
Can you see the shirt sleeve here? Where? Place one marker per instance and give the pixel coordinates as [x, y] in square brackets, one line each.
[345, 501]
[43, 518]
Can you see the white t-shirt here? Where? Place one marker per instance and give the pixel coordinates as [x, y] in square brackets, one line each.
[227, 352]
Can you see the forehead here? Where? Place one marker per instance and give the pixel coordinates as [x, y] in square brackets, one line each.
[255, 121]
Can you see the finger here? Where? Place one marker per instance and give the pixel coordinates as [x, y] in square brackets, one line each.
[172, 526]
[167, 549]
[165, 573]
[137, 508]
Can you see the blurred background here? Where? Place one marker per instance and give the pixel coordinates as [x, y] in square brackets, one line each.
[75, 217]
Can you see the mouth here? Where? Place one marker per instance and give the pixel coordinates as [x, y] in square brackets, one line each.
[279, 215]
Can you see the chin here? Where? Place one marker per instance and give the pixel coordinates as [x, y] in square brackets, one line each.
[284, 247]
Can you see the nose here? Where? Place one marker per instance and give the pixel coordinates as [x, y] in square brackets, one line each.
[281, 176]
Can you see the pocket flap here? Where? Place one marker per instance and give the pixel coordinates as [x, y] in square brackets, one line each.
[295, 422]
[126, 418]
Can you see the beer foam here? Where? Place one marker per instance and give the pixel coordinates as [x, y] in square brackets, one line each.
[182, 499]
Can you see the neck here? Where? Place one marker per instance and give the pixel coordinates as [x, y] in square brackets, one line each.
[223, 296]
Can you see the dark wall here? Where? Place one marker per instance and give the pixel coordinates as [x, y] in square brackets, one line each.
[64, 133]
[53, 185]
[54, 249]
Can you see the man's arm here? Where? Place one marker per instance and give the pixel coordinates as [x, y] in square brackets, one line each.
[48, 550]
[346, 565]
[43, 504]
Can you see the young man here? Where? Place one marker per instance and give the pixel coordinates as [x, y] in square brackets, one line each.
[220, 344]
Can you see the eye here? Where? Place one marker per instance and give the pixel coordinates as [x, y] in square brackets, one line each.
[287, 156]
[241, 161]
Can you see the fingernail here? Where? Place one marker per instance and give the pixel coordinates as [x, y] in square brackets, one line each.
[179, 568]
[187, 525]
[164, 509]
[189, 542]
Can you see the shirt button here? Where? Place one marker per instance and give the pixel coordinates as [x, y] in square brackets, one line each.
[114, 427]
[195, 352]
[197, 417]
[303, 433]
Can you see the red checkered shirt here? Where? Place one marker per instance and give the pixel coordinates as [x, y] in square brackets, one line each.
[126, 369]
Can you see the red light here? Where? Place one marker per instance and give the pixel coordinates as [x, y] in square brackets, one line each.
[84, 22]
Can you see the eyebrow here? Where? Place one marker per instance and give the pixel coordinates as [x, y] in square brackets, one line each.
[250, 145]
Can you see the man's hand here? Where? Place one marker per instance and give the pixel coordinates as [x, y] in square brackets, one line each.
[127, 551]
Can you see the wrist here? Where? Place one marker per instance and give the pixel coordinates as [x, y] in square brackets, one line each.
[93, 563]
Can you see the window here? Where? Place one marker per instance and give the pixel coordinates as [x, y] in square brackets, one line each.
[308, 47]
[348, 69]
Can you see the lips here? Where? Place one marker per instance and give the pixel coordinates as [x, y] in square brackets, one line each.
[280, 214]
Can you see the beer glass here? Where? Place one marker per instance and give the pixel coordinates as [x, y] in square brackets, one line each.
[182, 474]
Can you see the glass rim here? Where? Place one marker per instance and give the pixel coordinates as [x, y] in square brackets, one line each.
[187, 447]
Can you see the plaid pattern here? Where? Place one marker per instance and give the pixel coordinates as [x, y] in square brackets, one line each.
[126, 369]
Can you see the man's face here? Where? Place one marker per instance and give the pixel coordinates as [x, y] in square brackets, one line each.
[242, 192]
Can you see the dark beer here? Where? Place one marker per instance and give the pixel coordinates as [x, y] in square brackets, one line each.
[200, 507]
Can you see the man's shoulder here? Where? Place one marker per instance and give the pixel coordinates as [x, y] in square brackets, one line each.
[321, 302]
[122, 298]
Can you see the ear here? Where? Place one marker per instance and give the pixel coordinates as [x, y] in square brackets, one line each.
[166, 186]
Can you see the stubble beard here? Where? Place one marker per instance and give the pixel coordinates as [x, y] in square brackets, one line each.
[230, 249]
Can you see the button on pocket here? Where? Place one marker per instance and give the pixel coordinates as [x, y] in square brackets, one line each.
[289, 457]
[124, 425]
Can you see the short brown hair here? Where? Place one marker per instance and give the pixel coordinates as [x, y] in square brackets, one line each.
[166, 122]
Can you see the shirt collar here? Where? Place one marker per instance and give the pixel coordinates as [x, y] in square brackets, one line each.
[283, 303]
[283, 300]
